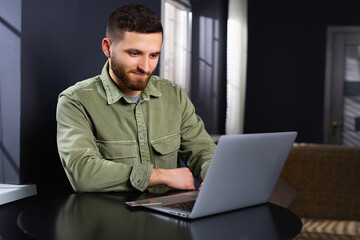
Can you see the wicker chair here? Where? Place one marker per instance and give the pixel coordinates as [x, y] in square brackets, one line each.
[327, 182]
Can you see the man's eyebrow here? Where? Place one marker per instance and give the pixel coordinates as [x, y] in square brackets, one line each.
[133, 50]
[139, 51]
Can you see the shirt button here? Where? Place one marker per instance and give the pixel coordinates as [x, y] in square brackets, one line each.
[142, 137]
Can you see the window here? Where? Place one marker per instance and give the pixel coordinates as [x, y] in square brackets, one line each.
[10, 91]
[175, 57]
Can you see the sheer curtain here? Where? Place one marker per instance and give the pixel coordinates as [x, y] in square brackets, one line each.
[236, 66]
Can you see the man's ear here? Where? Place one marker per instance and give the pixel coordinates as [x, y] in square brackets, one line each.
[106, 43]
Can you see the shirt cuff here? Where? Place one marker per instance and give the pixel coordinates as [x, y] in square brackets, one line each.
[140, 175]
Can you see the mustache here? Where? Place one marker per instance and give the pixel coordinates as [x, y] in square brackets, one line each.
[139, 70]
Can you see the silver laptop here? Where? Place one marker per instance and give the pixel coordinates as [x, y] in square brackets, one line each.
[242, 173]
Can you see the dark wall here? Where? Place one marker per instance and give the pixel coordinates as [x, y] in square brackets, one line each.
[208, 72]
[61, 44]
[286, 63]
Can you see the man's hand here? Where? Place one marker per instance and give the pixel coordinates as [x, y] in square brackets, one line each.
[178, 178]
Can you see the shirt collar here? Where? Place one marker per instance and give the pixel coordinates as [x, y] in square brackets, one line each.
[114, 94]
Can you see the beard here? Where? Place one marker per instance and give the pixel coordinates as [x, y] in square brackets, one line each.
[136, 84]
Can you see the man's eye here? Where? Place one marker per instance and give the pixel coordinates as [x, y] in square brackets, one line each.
[133, 54]
[154, 55]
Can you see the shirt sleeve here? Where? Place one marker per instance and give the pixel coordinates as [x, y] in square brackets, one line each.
[86, 169]
[197, 147]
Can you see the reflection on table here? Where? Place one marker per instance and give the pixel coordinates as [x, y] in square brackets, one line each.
[105, 216]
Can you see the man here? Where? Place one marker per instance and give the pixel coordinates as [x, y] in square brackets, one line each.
[124, 129]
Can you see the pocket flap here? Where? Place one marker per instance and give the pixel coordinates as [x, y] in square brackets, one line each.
[167, 144]
[117, 149]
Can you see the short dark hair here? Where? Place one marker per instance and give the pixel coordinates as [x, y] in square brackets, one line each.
[132, 18]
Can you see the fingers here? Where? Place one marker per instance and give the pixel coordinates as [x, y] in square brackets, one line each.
[200, 187]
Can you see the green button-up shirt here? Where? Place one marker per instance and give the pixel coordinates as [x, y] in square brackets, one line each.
[109, 142]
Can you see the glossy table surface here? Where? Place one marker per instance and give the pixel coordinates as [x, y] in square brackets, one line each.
[105, 216]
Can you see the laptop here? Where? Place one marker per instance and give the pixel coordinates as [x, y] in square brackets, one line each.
[242, 173]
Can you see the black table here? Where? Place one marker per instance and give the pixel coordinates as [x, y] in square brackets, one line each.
[105, 216]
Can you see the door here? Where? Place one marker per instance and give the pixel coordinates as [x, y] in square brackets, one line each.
[342, 87]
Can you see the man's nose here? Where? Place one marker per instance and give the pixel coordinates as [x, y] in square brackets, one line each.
[144, 64]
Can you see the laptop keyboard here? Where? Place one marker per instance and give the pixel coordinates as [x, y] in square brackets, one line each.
[184, 206]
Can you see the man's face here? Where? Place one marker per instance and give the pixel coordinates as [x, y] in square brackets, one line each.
[133, 60]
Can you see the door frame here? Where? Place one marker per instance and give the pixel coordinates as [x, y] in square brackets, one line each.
[329, 101]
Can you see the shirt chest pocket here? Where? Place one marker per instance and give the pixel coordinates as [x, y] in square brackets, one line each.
[118, 151]
[166, 151]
